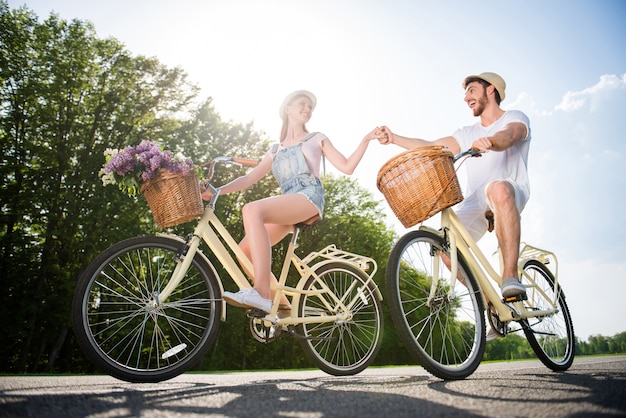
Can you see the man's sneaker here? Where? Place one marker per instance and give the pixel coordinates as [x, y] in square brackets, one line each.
[248, 298]
[512, 287]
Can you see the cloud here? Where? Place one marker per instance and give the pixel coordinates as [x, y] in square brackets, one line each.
[577, 99]
[576, 174]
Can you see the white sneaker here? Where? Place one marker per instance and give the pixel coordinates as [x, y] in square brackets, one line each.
[492, 334]
[248, 298]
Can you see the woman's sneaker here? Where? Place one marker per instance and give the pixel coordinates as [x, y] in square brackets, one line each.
[512, 287]
[248, 298]
[492, 334]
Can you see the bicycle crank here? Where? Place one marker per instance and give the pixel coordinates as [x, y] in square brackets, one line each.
[497, 326]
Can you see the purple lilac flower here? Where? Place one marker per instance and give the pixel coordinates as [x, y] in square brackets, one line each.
[123, 163]
[150, 156]
[183, 167]
[148, 148]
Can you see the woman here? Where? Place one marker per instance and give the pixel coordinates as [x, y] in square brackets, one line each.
[296, 164]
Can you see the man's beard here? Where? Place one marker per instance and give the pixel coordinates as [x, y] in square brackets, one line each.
[481, 103]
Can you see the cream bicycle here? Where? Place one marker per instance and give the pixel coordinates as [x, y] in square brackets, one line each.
[439, 312]
[148, 308]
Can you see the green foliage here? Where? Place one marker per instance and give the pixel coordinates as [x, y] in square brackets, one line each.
[511, 347]
[66, 96]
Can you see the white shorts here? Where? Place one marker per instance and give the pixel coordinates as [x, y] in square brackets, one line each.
[471, 211]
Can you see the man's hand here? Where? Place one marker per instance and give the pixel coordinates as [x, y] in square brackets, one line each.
[483, 144]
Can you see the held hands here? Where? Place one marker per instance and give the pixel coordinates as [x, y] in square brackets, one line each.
[384, 135]
[381, 133]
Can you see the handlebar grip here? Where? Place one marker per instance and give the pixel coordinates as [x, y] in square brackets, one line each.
[245, 161]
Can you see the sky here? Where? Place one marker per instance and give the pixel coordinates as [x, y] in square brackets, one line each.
[401, 63]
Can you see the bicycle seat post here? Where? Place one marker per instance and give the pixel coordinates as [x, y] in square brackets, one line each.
[282, 279]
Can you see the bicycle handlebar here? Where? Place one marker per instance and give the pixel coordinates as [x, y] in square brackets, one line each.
[472, 152]
[226, 160]
[245, 161]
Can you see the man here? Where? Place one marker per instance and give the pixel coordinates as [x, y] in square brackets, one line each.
[498, 181]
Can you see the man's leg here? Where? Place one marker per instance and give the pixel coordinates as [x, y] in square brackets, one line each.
[501, 197]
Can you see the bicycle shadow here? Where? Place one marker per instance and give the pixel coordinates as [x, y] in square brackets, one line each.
[602, 390]
[314, 397]
[543, 393]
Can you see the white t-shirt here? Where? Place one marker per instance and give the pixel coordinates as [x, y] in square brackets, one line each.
[510, 164]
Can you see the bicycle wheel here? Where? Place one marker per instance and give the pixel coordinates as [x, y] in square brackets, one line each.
[445, 330]
[551, 337]
[343, 347]
[121, 326]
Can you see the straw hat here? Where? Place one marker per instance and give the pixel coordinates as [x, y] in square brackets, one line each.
[491, 78]
[297, 93]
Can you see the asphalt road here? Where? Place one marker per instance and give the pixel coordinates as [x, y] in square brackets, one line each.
[593, 387]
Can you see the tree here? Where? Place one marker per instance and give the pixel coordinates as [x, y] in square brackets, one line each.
[66, 96]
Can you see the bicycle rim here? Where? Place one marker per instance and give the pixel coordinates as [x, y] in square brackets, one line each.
[121, 327]
[551, 337]
[348, 346]
[444, 332]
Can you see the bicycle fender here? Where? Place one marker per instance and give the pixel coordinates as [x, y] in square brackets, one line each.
[431, 230]
[349, 265]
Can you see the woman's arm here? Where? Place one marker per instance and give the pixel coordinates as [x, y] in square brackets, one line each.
[245, 181]
[343, 164]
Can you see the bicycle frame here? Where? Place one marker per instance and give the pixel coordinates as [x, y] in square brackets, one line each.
[210, 229]
[459, 238]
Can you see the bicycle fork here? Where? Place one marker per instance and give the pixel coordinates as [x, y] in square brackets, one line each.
[183, 261]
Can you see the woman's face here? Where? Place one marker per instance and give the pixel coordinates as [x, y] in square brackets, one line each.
[300, 109]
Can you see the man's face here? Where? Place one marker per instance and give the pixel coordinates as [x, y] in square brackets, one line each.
[476, 97]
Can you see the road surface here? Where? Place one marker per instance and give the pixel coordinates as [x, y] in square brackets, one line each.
[594, 386]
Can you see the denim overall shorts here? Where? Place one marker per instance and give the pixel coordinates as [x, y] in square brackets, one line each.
[293, 175]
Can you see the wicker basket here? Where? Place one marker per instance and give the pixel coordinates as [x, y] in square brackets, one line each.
[419, 183]
[173, 198]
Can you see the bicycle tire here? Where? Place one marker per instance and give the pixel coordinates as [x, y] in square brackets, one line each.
[551, 337]
[341, 348]
[123, 332]
[445, 336]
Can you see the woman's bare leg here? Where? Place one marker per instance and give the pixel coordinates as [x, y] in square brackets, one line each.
[276, 234]
[284, 210]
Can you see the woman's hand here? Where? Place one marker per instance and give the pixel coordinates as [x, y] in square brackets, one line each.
[374, 134]
[205, 193]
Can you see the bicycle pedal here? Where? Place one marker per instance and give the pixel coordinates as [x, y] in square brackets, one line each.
[256, 313]
[517, 298]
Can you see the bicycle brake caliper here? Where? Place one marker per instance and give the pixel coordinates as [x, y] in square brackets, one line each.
[184, 249]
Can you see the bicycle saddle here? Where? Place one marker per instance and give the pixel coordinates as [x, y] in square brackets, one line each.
[312, 221]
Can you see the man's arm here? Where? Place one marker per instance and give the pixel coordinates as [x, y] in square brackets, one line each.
[503, 139]
[410, 143]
